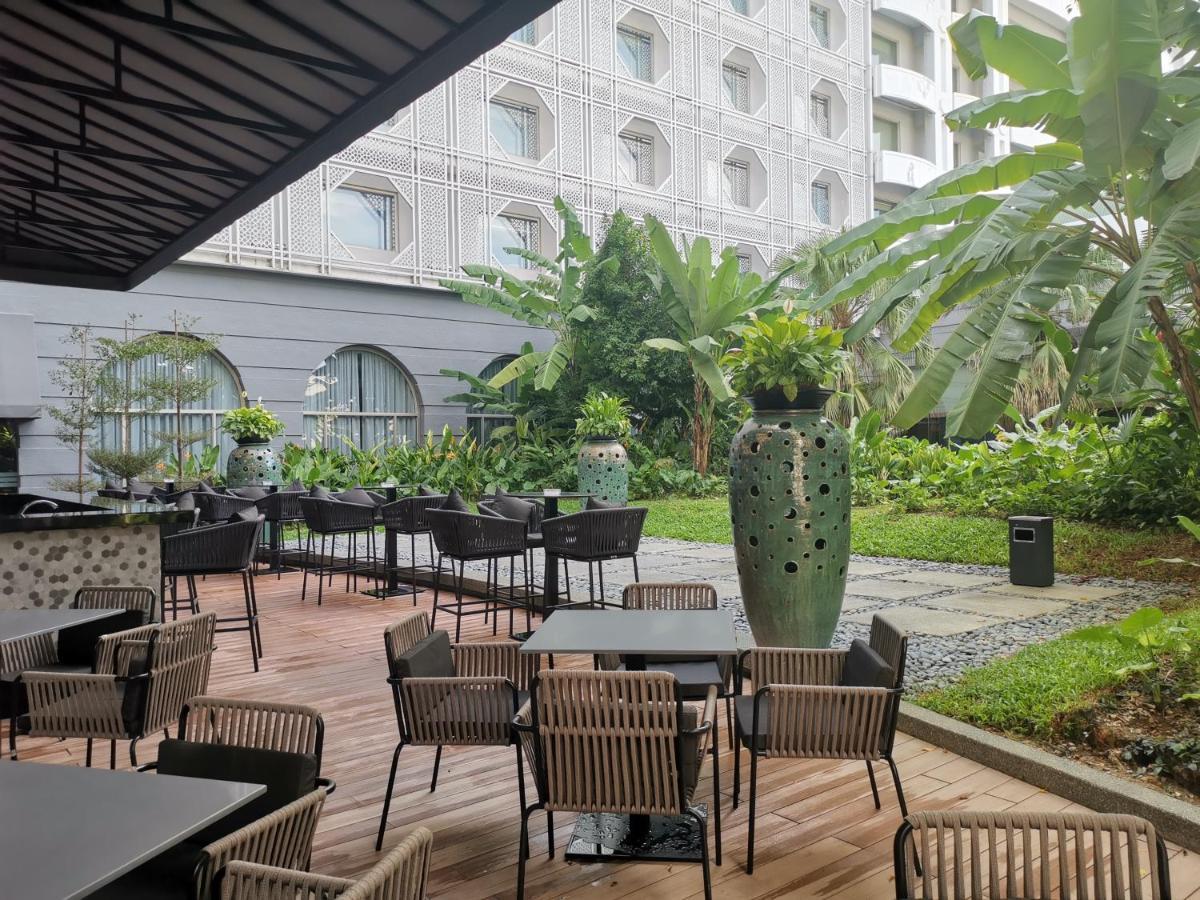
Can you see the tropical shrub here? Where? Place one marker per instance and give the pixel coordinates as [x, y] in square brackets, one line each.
[602, 415]
[251, 423]
[780, 350]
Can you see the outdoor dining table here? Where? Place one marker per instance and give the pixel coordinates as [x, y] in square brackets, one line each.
[635, 635]
[16, 624]
[67, 831]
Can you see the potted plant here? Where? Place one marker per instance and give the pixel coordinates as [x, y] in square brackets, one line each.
[252, 461]
[603, 465]
[789, 482]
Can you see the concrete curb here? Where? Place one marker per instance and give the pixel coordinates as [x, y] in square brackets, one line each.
[1175, 819]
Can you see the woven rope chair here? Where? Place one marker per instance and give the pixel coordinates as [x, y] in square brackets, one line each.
[407, 516]
[629, 728]
[800, 711]
[177, 659]
[465, 537]
[329, 519]
[225, 549]
[1035, 856]
[401, 875]
[281, 509]
[533, 540]
[474, 708]
[255, 724]
[216, 508]
[134, 599]
[596, 536]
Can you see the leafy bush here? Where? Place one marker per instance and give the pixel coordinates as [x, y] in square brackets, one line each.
[602, 415]
[783, 351]
[251, 423]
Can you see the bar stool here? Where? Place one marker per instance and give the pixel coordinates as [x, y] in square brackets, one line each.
[281, 509]
[328, 518]
[532, 513]
[407, 516]
[596, 536]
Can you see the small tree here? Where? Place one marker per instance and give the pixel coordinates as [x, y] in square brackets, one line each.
[180, 383]
[78, 377]
[121, 391]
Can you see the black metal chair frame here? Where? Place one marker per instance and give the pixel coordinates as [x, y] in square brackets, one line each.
[596, 536]
[533, 541]
[327, 519]
[281, 509]
[466, 537]
[407, 516]
[216, 508]
[222, 549]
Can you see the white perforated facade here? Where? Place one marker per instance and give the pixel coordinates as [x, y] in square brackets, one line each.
[698, 111]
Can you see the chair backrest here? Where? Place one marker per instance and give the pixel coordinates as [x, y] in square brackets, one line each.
[407, 514]
[470, 536]
[257, 724]
[627, 725]
[180, 660]
[596, 533]
[404, 634]
[132, 598]
[219, 507]
[329, 516]
[892, 644]
[224, 547]
[669, 595]
[281, 506]
[1035, 856]
[401, 875]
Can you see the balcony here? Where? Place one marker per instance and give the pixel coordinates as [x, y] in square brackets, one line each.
[904, 86]
[903, 169]
[958, 99]
[1029, 137]
[923, 13]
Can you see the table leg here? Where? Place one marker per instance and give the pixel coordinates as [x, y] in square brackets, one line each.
[550, 588]
[391, 577]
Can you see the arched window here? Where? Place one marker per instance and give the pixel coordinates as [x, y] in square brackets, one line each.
[156, 419]
[480, 422]
[361, 397]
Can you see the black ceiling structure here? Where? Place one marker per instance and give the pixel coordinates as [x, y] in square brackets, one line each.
[133, 130]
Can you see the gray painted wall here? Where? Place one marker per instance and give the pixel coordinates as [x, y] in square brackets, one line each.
[274, 329]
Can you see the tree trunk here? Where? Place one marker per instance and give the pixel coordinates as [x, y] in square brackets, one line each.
[1179, 357]
[701, 425]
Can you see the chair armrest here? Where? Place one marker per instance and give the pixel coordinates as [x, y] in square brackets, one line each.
[476, 710]
[108, 646]
[328, 784]
[822, 721]
[789, 665]
[26, 653]
[251, 881]
[148, 767]
[708, 722]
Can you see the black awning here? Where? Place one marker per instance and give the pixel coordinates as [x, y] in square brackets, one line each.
[132, 131]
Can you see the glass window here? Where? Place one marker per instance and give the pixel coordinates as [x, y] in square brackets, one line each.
[637, 157]
[361, 397]
[202, 417]
[737, 182]
[743, 261]
[526, 34]
[636, 50]
[882, 206]
[363, 218]
[820, 202]
[480, 422]
[820, 115]
[737, 86]
[741, 7]
[10, 473]
[889, 133]
[885, 50]
[818, 19]
[514, 126]
[514, 231]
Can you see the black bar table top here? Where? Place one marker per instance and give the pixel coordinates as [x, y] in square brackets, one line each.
[636, 633]
[22, 623]
[67, 831]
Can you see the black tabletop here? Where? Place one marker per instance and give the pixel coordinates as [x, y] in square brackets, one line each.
[635, 632]
[68, 831]
[542, 495]
[22, 623]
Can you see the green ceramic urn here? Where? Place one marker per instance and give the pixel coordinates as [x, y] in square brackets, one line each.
[789, 502]
[603, 469]
[252, 462]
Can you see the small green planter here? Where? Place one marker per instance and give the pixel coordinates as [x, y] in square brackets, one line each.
[603, 468]
[252, 462]
[789, 502]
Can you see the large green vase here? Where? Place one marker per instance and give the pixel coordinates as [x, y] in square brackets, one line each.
[789, 502]
[603, 469]
[252, 462]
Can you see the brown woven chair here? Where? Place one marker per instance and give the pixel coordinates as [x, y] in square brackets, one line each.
[1034, 856]
[642, 758]
[255, 724]
[473, 707]
[143, 678]
[799, 709]
[134, 599]
[401, 875]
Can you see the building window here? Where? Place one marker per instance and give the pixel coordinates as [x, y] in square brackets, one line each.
[818, 20]
[889, 133]
[201, 418]
[819, 108]
[10, 472]
[737, 86]
[737, 182]
[820, 202]
[741, 7]
[885, 50]
[637, 157]
[514, 126]
[480, 422]
[743, 261]
[636, 50]
[526, 34]
[511, 232]
[363, 218]
[882, 206]
[361, 398]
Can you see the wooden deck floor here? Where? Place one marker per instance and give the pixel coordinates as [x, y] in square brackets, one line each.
[819, 834]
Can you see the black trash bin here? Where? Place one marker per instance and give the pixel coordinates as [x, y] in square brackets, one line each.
[1031, 550]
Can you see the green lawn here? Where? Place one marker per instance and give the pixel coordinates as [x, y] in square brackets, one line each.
[1080, 548]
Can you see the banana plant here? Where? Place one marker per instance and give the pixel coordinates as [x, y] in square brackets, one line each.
[550, 299]
[707, 306]
[1119, 101]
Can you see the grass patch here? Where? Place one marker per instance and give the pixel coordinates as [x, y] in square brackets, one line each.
[1081, 548]
[1030, 692]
